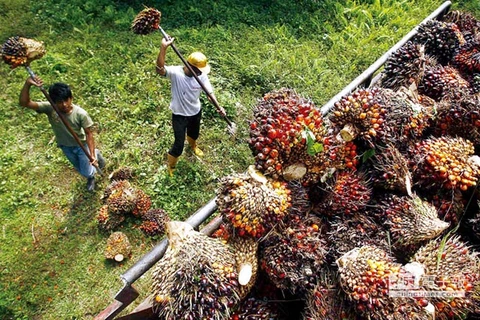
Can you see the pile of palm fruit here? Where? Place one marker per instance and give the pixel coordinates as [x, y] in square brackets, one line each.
[368, 212]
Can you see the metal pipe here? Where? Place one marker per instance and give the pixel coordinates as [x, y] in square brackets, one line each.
[149, 259]
[368, 73]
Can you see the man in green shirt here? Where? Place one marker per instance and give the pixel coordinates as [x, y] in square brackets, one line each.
[79, 121]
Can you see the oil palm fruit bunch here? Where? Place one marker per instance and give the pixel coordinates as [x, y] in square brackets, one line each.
[353, 231]
[348, 193]
[445, 162]
[107, 219]
[360, 114]
[287, 130]
[441, 39]
[251, 203]
[389, 170]
[450, 267]
[118, 247]
[196, 278]
[404, 66]
[458, 116]
[246, 260]
[410, 221]
[114, 187]
[143, 202]
[438, 81]
[467, 60]
[18, 51]
[253, 308]
[407, 117]
[365, 274]
[123, 173]
[327, 301]
[154, 222]
[147, 21]
[293, 254]
[121, 199]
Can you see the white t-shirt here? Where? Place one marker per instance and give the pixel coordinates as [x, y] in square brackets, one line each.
[185, 91]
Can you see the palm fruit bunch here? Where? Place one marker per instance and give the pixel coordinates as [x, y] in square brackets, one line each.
[123, 173]
[450, 267]
[347, 194]
[438, 81]
[245, 251]
[409, 116]
[254, 309]
[365, 274]
[18, 51]
[389, 170]
[154, 222]
[327, 302]
[121, 199]
[143, 202]
[450, 205]
[445, 162]
[287, 130]
[195, 278]
[349, 232]
[114, 187]
[404, 66]
[467, 60]
[441, 39]
[251, 203]
[146, 21]
[292, 254]
[410, 221]
[107, 219]
[458, 116]
[118, 247]
[360, 114]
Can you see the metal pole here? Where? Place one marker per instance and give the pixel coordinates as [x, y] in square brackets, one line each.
[367, 74]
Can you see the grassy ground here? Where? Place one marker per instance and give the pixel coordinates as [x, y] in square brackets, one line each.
[51, 250]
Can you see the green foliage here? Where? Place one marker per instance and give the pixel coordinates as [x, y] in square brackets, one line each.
[51, 258]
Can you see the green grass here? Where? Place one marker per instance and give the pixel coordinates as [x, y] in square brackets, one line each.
[51, 252]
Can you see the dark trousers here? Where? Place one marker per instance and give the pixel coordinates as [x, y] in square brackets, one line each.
[184, 125]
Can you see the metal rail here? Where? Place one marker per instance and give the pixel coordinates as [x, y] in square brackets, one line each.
[365, 78]
[127, 294]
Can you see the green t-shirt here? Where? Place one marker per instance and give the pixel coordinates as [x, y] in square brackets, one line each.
[78, 120]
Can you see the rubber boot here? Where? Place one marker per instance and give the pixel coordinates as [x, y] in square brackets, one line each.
[171, 163]
[193, 144]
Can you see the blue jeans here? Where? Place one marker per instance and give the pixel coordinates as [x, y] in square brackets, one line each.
[79, 159]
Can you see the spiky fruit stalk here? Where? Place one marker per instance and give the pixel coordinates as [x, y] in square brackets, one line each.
[365, 274]
[196, 278]
[410, 221]
[18, 51]
[450, 267]
[445, 162]
[465, 21]
[118, 247]
[292, 255]
[251, 203]
[154, 222]
[147, 21]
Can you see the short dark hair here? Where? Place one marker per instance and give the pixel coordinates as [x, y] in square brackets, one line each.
[60, 92]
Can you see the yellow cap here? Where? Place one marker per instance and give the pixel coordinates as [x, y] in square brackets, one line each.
[198, 59]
